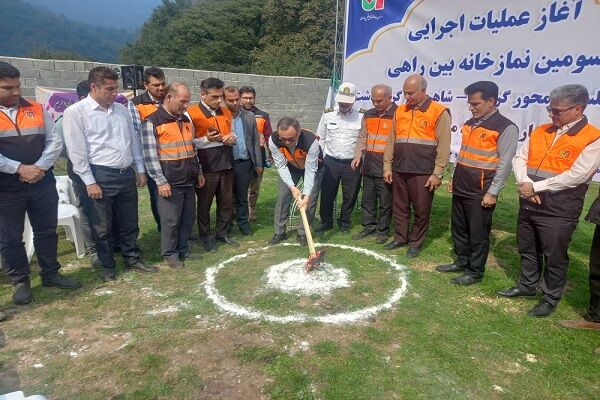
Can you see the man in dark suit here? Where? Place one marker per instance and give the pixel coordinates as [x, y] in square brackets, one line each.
[591, 319]
[247, 156]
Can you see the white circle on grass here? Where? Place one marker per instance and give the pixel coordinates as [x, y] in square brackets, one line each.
[290, 277]
[336, 318]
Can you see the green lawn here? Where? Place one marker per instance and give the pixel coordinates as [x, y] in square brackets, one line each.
[158, 336]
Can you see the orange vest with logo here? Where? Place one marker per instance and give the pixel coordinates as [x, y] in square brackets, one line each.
[174, 140]
[478, 158]
[213, 156]
[416, 145]
[548, 158]
[23, 141]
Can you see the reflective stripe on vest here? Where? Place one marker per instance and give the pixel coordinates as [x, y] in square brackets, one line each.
[30, 121]
[548, 158]
[479, 148]
[416, 126]
[175, 144]
[378, 130]
[145, 110]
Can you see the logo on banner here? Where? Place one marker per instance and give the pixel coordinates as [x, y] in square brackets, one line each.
[370, 5]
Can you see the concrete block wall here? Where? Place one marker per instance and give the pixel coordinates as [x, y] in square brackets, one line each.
[302, 98]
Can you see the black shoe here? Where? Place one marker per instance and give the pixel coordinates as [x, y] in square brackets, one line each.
[591, 317]
[245, 229]
[413, 252]
[190, 256]
[515, 292]
[95, 261]
[143, 267]
[449, 268]
[174, 262]
[228, 240]
[209, 246]
[22, 294]
[394, 245]
[108, 274]
[363, 234]
[344, 228]
[465, 280]
[278, 238]
[381, 238]
[542, 309]
[302, 240]
[60, 281]
[323, 228]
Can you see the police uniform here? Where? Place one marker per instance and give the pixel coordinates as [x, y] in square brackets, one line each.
[551, 160]
[337, 134]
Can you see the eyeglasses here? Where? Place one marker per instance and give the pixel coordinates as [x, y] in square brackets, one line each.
[558, 111]
[287, 140]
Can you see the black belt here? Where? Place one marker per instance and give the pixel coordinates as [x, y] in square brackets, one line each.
[110, 169]
[242, 160]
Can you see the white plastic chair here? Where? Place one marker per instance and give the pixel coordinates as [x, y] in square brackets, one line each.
[68, 217]
[20, 396]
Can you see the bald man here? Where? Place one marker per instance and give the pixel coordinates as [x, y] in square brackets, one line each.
[368, 156]
[168, 138]
[414, 160]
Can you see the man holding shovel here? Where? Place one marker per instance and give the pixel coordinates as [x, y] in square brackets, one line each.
[297, 155]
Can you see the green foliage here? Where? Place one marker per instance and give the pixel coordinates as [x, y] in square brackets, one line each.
[46, 54]
[277, 37]
[25, 27]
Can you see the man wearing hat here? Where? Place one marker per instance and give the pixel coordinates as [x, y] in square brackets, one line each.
[337, 131]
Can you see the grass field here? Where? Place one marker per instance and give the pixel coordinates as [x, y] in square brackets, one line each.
[158, 336]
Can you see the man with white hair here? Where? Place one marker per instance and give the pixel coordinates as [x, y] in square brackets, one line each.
[553, 169]
[337, 131]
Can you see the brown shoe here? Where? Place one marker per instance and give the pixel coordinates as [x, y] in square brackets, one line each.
[174, 262]
[579, 324]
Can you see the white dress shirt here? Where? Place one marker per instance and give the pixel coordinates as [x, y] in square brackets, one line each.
[582, 170]
[98, 136]
[338, 133]
[51, 151]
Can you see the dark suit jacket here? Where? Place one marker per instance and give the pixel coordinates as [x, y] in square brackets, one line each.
[251, 137]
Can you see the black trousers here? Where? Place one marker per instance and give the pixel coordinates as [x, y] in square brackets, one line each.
[153, 192]
[594, 310]
[376, 195]
[119, 196]
[220, 185]
[336, 171]
[471, 226]
[177, 214]
[41, 205]
[408, 192]
[543, 239]
[243, 173]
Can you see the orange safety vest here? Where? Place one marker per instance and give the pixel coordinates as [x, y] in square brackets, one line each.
[378, 130]
[416, 145]
[548, 158]
[297, 160]
[23, 141]
[213, 156]
[174, 140]
[145, 105]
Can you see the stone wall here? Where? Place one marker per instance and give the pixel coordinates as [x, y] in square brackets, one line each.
[303, 98]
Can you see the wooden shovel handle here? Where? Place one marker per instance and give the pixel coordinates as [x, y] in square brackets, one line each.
[309, 238]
